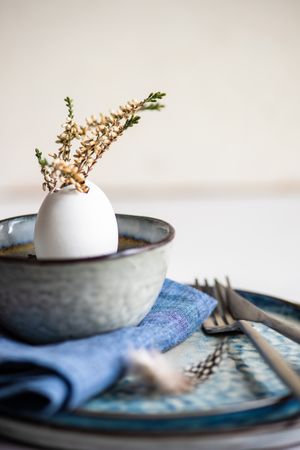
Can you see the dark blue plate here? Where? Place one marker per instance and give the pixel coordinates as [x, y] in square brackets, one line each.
[243, 396]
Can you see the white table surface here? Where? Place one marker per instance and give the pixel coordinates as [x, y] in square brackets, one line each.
[253, 239]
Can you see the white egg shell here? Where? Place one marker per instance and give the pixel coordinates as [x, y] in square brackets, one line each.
[71, 224]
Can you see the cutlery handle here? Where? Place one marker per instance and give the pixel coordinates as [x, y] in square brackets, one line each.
[291, 331]
[283, 370]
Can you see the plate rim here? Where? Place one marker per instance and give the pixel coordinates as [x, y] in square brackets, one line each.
[280, 424]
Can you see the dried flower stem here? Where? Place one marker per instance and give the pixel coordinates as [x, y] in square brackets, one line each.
[71, 132]
[95, 138]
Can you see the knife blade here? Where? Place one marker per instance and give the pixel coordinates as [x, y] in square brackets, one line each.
[242, 309]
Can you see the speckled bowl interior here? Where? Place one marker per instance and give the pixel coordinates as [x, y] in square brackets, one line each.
[50, 301]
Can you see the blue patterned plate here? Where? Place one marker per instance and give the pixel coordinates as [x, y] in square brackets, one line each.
[243, 398]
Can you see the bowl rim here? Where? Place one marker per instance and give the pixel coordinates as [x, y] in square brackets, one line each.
[111, 256]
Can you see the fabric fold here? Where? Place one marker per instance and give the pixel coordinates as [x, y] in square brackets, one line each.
[49, 378]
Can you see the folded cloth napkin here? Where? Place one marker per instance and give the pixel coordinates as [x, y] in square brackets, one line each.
[47, 378]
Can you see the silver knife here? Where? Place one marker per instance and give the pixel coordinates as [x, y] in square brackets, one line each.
[242, 309]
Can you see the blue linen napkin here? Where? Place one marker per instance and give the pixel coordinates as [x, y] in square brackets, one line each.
[48, 378]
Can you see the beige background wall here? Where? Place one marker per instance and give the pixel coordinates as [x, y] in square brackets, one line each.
[231, 70]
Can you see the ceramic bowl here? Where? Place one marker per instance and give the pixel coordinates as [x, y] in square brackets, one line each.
[50, 301]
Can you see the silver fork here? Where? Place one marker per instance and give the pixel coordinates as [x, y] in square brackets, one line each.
[221, 321]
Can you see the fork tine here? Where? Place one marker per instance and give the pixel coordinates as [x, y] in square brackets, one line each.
[219, 320]
[206, 286]
[228, 282]
[222, 298]
[214, 318]
[219, 296]
[218, 312]
[197, 284]
[229, 291]
[210, 321]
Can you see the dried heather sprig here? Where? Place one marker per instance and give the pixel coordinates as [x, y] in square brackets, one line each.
[71, 132]
[47, 171]
[68, 174]
[95, 137]
[107, 129]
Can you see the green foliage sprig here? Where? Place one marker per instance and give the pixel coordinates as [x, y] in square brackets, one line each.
[69, 104]
[133, 120]
[151, 102]
[42, 161]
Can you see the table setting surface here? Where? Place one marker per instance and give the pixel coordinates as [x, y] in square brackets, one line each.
[233, 397]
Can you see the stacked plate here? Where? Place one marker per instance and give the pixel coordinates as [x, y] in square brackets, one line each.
[243, 405]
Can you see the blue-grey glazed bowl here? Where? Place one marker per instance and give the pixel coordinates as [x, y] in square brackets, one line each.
[50, 301]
